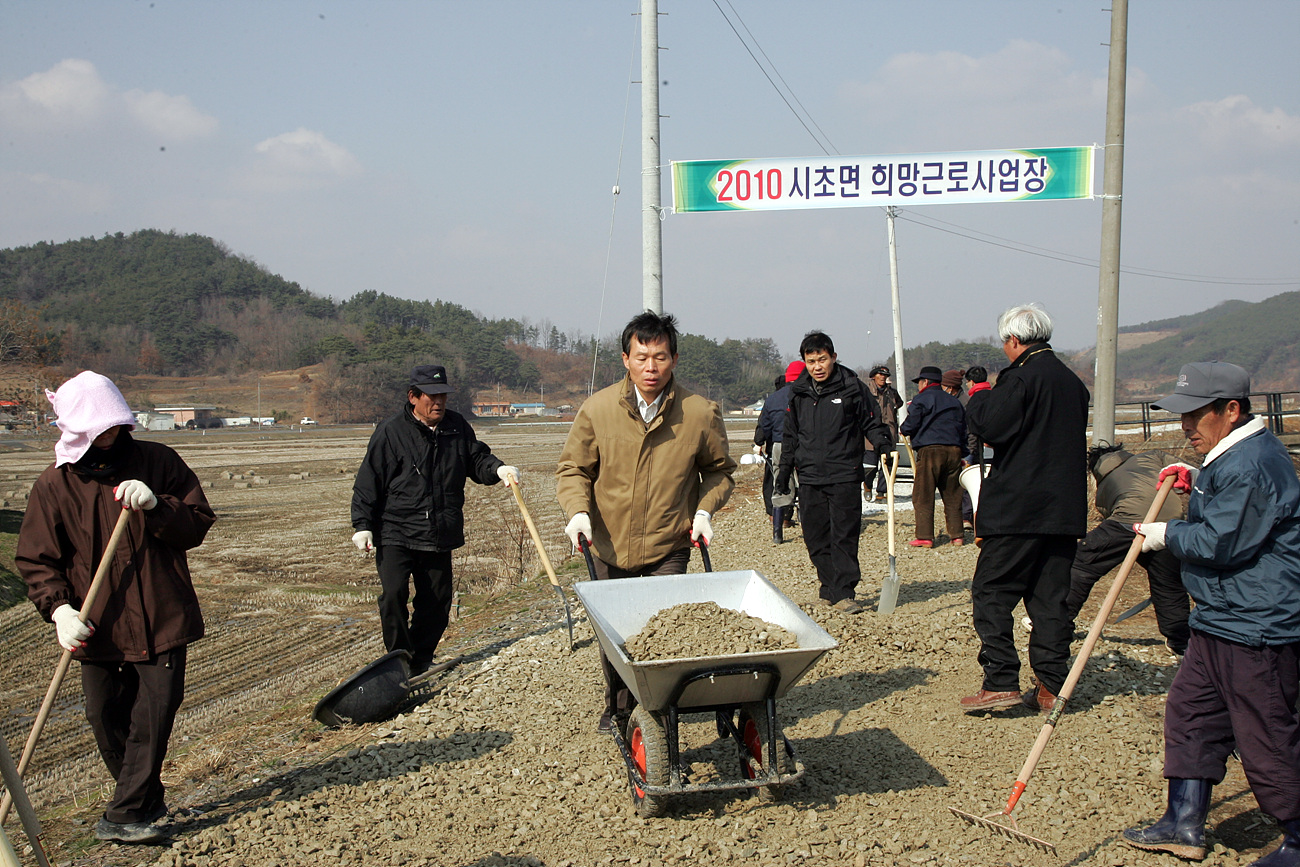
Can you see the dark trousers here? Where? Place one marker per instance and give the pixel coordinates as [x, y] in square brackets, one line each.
[1228, 695]
[832, 522]
[1104, 548]
[430, 573]
[1037, 570]
[875, 470]
[131, 707]
[937, 468]
[618, 698]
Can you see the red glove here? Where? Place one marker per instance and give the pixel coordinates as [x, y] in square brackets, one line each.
[1184, 476]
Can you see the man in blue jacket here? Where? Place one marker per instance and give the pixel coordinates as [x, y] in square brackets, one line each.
[1240, 554]
[408, 507]
[767, 439]
[830, 417]
[936, 422]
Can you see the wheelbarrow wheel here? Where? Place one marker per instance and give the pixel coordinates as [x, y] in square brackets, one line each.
[756, 748]
[648, 743]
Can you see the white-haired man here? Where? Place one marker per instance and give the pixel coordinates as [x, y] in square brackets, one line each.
[1032, 510]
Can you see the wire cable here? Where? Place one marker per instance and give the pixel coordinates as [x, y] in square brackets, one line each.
[761, 69]
[613, 208]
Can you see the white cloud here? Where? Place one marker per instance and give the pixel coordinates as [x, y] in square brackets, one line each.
[171, 117]
[307, 153]
[71, 95]
[1236, 122]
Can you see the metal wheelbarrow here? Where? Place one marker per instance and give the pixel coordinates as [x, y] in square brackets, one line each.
[739, 689]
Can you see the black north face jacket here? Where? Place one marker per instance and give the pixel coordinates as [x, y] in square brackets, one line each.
[410, 489]
[825, 429]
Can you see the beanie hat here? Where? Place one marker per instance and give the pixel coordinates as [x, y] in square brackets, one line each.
[86, 406]
[793, 370]
[951, 379]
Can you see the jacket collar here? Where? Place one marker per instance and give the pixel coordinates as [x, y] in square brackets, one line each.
[630, 395]
[1249, 429]
[1030, 351]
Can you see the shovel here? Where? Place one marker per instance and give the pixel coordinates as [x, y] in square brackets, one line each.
[31, 826]
[1012, 831]
[61, 671]
[546, 561]
[889, 590]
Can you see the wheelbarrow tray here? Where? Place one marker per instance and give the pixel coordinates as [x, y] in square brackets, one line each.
[620, 609]
[372, 694]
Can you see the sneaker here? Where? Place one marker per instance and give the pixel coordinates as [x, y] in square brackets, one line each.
[921, 543]
[129, 832]
[849, 605]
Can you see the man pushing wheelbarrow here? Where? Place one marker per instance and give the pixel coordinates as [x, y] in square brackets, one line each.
[645, 467]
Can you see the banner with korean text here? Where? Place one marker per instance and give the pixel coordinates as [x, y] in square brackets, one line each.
[895, 179]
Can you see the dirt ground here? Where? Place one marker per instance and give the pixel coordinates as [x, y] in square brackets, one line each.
[500, 762]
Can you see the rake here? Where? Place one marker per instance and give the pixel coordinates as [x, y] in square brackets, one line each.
[1012, 831]
[546, 561]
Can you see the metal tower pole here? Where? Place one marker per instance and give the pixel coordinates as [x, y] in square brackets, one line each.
[652, 256]
[1103, 393]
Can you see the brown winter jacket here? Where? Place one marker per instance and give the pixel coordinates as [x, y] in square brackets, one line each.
[147, 604]
[642, 484]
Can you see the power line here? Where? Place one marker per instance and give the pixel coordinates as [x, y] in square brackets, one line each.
[1072, 259]
[827, 148]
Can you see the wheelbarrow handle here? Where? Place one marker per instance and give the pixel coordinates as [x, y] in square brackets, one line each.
[584, 545]
[704, 553]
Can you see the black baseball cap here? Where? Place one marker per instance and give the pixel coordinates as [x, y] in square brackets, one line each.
[430, 379]
[1203, 382]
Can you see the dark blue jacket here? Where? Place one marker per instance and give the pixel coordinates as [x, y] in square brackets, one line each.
[1240, 544]
[771, 421]
[410, 488]
[935, 418]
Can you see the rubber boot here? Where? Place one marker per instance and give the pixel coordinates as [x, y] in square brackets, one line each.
[1288, 854]
[778, 514]
[1181, 830]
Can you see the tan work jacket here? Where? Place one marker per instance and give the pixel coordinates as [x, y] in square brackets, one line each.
[642, 483]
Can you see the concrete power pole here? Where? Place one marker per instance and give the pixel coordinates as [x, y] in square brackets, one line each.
[652, 254]
[1103, 393]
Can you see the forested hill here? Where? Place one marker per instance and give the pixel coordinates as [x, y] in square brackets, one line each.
[160, 303]
[1262, 337]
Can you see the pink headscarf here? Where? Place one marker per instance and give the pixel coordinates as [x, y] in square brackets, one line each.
[86, 406]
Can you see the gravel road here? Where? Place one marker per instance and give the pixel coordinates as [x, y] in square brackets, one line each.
[501, 764]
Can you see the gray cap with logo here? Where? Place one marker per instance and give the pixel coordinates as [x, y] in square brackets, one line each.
[1204, 382]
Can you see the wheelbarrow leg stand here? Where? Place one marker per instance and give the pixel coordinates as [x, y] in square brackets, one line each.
[672, 724]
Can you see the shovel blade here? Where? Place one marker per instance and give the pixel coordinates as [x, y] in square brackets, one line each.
[889, 590]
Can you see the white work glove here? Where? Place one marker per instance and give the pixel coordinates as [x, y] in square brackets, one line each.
[758, 450]
[579, 523]
[1185, 476]
[135, 494]
[508, 474]
[1153, 536]
[72, 632]
[702, 528]
[364, 540]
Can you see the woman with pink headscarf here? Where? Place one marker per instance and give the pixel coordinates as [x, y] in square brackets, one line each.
[132, 643]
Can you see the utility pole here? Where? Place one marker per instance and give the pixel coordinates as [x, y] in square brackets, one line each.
[652, 254]
[1103, 392]
[899, 376]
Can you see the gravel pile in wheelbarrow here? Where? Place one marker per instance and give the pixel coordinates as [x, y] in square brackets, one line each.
[702, 629]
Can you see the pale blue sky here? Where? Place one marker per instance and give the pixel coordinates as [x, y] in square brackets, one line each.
[466, 151]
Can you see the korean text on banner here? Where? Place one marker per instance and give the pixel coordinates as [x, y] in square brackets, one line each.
[896, 179]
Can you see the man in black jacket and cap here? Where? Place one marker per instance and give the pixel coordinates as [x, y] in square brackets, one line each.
[1033, 507]
[830, 416]
[408, 507]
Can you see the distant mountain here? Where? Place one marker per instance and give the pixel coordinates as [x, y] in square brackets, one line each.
[1262, 337]
[1191, 320]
